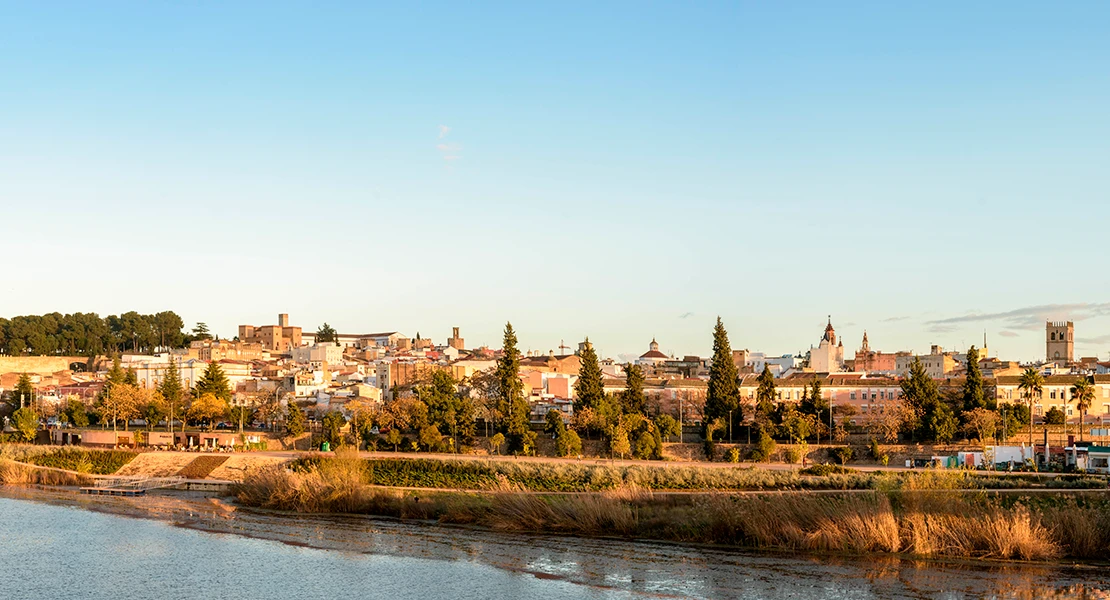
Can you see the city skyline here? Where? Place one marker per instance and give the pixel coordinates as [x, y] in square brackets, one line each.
[622, 172]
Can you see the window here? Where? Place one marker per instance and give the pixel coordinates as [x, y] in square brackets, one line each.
[1052, 394]
[872, 395]
[852, 395]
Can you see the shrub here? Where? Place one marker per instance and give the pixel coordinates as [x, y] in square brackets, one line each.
[568, 443]
[710, 450]
[842, 454]
[764, 448]
[822, 470]
[733, 455]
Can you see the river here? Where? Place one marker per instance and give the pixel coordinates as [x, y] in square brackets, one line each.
[67, 547]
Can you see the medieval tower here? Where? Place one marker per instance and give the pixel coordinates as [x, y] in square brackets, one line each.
[1059, 339]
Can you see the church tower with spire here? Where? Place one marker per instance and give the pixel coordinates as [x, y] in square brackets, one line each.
[828, 356]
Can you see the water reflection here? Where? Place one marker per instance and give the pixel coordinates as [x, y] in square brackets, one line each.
[326, 557]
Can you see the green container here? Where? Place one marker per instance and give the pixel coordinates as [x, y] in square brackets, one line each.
[325, 447]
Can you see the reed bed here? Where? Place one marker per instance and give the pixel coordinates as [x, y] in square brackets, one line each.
[587, 477]
[916, 518]
[13, 473]
[82, 460]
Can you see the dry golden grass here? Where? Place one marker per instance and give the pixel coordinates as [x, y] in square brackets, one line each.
[12, 473]
[917, 522]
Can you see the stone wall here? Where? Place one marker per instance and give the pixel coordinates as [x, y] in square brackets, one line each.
[41, 365]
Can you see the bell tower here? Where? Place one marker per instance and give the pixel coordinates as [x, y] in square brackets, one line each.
[1059, 339]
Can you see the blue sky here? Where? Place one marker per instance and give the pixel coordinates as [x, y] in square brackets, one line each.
[617, 170]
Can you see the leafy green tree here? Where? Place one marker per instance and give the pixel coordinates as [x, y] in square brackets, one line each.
[589, 389]
[554, 423]
[496, 442]
[567, 443]
[130, 378]
[723, 392]
[448, 410]
[326, 333]
[75, 413]
[214, 382]
[26, 424]
[208, 409]
[667, 426]
[430, 437]
[618, 442]
[1031, 383]
[973, 385]
[393, 438]
[154, 410]
[295, 420]
[633, 399]
[1054, 416]
[941, 422]
[332, 425]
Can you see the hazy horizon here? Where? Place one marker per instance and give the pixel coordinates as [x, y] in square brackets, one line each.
[621, 172]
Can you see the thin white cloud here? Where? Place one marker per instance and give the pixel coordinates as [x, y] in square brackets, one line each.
[1029, 317]
[1007, 334]
[686, 315]
[450, 151]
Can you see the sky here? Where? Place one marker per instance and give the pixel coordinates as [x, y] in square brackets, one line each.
[620, 170]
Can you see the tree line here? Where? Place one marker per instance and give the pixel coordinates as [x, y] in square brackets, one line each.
[89, 334]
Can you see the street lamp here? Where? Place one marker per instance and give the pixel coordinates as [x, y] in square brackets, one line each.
[730, 426]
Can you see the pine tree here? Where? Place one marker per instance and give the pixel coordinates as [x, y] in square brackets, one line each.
[295, 421]
[723, 393]
[130, 378]
[973, 385]
[24, 391]
[589, 389]
[213, 382]
[172, 392]
[921, 396]
[632, 399]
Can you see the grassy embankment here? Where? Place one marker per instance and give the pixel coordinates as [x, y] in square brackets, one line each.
[57, 462]
[915, 514]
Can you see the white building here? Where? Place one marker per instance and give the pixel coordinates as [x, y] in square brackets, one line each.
[653, 357]
[329, 353]
[150, 374]
[828, 357]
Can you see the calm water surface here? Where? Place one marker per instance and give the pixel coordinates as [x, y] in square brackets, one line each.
[49, 551]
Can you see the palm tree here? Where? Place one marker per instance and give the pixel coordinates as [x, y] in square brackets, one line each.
[1031, 384]
[1084, 395]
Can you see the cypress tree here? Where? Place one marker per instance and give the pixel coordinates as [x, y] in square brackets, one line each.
[633, 399]
[511, 400]
[765, 393]
[588, 390]
[973, 385]
[723, 393]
